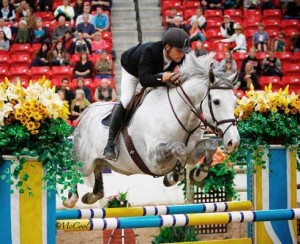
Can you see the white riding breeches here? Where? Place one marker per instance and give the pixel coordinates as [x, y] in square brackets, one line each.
[129, 85]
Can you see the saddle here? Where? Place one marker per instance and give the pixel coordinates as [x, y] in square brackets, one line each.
[132, 107]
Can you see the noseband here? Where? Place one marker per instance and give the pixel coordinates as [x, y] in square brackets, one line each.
[224, 85]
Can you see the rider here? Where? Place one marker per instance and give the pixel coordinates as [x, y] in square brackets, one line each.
[152, 64]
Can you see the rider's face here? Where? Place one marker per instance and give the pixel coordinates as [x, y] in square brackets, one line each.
[175, 54]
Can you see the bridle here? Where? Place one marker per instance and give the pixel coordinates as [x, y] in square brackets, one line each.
[223, 85]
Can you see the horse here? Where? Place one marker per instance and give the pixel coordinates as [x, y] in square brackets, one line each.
[167, 130]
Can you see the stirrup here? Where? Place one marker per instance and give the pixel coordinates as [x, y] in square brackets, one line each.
[109, 153]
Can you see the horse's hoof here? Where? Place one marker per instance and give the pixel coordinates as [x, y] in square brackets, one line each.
[69, 204]
[90, 198]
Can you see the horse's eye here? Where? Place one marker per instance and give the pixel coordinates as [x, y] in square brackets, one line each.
[216, 102]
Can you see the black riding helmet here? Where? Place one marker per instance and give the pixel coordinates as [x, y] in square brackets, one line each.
[178, 38]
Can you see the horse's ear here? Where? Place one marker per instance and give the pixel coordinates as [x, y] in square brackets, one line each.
[211, 76]
[234, 77]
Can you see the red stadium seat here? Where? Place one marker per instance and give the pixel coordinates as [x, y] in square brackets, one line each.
[271, 24]
[213, 24]
[191, 5]
[24, 48]
[266, 80]
[290, 32]
[219, 56]
[250, 24]
[234, 13]
[237, 56]
[219, 46]
[20, 60]
[45, 16]
[239, 93]
[254, 14]
[293, 82]
[261, 55]
[296, 57]
[4, 59]
[249, 34]
[291, 68]
[168, 5]
[87, 82]
[273, 32]
[61, 71]
[106, 35]
[39, 72]
[188, 13]
[3, 72]
[213, 14]
[285, 56]
[35, 47]
[213, 35]
[272, 14]
[290, 24]
[56, 82]
[22, 72]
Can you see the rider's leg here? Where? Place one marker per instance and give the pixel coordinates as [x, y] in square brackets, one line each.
[128, 87]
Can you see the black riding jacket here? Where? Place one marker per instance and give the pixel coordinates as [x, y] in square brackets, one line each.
[146, 62]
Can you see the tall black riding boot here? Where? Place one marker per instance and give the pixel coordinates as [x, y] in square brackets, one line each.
[117, 121]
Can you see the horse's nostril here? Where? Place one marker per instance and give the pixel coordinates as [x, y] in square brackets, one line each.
[229, 144]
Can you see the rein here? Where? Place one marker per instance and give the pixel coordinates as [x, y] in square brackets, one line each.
[199, 114]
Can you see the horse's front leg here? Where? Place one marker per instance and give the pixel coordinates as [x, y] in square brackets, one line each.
[98, 192]
[72, 199]
[207, 148]
[171, 156]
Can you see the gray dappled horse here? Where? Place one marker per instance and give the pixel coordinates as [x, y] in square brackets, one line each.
[166, 130]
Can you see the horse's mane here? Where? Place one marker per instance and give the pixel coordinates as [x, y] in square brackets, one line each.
[196, 66]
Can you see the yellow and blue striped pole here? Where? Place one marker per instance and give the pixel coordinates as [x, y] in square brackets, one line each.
[176, 220]
[274, 188]
[23, 218]
[153, 210]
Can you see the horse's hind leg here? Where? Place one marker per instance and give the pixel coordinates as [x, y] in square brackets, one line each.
[98, 192]
[207, 148]
[72, 199]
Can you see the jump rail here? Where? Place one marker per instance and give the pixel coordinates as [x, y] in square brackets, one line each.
[177, 220]
[153, 210]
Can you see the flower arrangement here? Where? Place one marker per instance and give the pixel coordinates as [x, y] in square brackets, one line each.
[117, 201]
[266, 117]
[32, 123]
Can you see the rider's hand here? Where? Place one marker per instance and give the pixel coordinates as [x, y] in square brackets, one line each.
[171, 77]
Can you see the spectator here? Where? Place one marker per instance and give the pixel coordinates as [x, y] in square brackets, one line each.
[104, 67]
[239, 39]
[295, 43]
[98, 44]
[61, 94]
[231, 4]
[86, 28]
[80, 44]
[7, 12]
[80, 85]
[60, 56]
[40, 33]
[67, 41]
[178, 23]
[271, 65]
[101, 20]
[30, 19]
[69, 95]
[83, 67]
[198, 18]
[45, 5]
[105, 93]
[43, 56]
[23, 35]
[279, 42]
[261, 39]
[227, 69]
[104, 4]
[247, 77]
[65, 10]
[251, 58]
[196, 31]
[86, 10]
[199, 48]
[21, 10]
[6, 29]
[267, 4]
[214, 4]
[228, 58]
[60, 30]
[4, 42]
[251, 4]
[227, 27]
[78, 8]
[171, 17]
[292, 10]
[78, 104]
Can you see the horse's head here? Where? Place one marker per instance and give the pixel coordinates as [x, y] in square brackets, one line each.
[218, 108]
